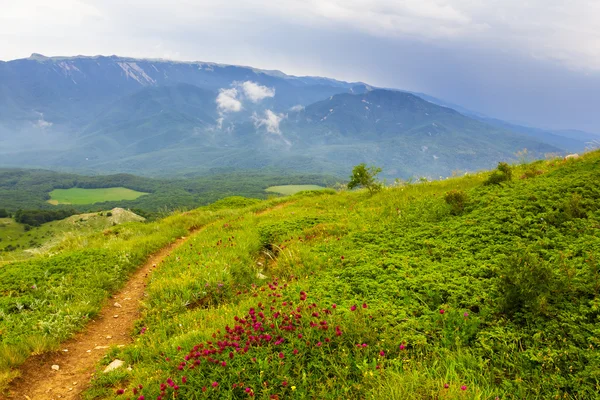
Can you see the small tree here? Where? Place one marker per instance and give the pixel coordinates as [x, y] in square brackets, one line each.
[3, 213]
[364, 176]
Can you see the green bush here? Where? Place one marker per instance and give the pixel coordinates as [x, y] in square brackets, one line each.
[457, 200]
[503, 173]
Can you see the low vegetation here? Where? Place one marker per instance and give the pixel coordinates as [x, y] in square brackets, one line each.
[92, 196]
[446, 289]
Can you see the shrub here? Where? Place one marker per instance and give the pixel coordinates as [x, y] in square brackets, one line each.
[503, 173]
[364, 176]
[457, 200]
[3, 213]
[109, 214]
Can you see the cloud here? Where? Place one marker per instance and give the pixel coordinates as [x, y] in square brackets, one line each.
[296, 108]
[270, 121]
[43, 124]
[255, 92]
[227, 100]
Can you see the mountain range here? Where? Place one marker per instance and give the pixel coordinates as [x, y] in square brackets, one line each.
[157, 117]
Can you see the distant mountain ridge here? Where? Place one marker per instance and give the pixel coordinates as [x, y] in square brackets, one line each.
[160, 117]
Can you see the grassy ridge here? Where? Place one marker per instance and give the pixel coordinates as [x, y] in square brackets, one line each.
[292, 189]
[395, 296]
[91, 196]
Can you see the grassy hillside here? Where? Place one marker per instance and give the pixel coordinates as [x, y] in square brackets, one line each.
[18, 241]
[448, 289]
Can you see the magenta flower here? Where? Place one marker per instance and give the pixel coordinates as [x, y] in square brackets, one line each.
[365, 305]
[184, 379]
[402, 346]
[353, 308]
[215, 384]
[284, 383]
[466, 314]
[463, 387]
[120, 391]
[281, 355]
[382, 353]
[442, 311]
[248, 390]
[446, 386]
[334, 305]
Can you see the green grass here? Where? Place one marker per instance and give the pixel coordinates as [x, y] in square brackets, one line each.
[495, 288]
[292, 189]
[91, 196]
[514, 267]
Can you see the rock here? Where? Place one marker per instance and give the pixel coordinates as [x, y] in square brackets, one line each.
[100, 347]
[55, 367]
[116, 316]
[109, 337]
[118, 305]
[261, 276]
[114, 365]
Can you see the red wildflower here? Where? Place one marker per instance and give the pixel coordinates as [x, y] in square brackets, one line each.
[215, 384]
[353, 308]
[281, 355]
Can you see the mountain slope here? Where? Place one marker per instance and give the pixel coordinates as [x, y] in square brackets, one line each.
[158, 117]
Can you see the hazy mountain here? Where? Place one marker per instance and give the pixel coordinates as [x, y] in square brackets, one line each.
[157, 117]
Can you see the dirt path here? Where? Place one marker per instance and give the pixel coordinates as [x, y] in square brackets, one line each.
[78, 357]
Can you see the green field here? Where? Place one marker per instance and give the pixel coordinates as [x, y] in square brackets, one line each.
[91, 196]
[289, 190]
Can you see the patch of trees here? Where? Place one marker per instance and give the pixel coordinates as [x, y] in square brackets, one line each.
[4, 213]
[39, 217]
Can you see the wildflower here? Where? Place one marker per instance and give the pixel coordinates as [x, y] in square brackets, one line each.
[334, 305]
[364, 345]
[248, 390]
[365, 305]
[141, 398]
[184, 379]
[446, 386]
[353, 308]
[293, 387]
[342, 257]
[402, 346]
[319, 344]
[215, 384]
[382, 353]
[466, 314]
[284, 383]
[463, 387]
[442, 311]
[281, 355]
[224, 364]
[204, 388]
[295, 351]
[120, 391]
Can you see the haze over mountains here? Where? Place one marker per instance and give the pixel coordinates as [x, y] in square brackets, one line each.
[157, 117]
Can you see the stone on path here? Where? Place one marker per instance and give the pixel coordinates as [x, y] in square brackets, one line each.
[55, 367]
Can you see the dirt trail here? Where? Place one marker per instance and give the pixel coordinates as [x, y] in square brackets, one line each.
[78, 356]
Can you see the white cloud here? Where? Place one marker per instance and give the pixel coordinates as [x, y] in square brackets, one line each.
[255, 92]
[296, 108]
[270, 122]
[227, 100]
[43, 124]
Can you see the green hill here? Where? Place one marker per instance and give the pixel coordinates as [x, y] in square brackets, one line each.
[459, 288]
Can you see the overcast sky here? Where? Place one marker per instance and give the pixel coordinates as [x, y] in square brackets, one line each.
[530, 61]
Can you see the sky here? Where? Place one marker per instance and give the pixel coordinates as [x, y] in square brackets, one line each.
[535, 62]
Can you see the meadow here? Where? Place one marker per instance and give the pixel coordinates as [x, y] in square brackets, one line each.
[288, 190]
[91, 196]
[480, 287]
